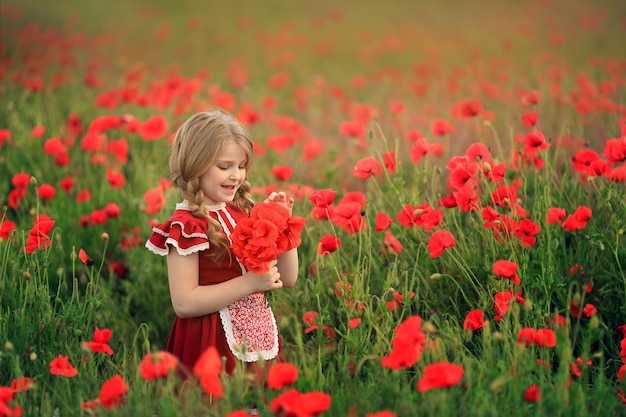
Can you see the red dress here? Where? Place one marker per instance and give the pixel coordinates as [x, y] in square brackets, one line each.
[245, 330]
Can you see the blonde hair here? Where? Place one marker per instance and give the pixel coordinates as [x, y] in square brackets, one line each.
[195, 148]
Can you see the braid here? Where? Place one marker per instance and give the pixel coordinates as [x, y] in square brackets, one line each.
[243, 199]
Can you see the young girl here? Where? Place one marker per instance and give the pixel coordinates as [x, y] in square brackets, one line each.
[216, 301]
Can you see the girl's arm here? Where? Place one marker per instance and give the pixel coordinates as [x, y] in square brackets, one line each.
[288, 267]
[190, 299]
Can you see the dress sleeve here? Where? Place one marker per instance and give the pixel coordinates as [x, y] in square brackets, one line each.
[183, 231]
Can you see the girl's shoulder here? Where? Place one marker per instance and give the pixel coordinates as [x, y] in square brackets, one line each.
[183, 231]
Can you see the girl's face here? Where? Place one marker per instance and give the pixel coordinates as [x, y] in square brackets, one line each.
[224, 177]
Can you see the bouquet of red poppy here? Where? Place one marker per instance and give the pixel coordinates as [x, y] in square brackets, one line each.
[269, 231]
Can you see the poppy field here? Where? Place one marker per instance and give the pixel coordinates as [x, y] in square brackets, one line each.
[461, 167]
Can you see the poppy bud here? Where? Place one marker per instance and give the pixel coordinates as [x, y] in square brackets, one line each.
[498, 383]
[8, 346]
[436, 275]
[105, 236]
[430, 328]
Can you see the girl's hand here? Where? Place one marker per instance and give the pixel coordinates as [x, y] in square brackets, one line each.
[281, 199]
[266, 281]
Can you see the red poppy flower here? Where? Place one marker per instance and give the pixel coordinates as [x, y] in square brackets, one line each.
[526, 231]
[440, 375]
[502, 302]
[367, 167]
[615, 150]
[54, 146]
[530, 118]
[93, 142]
[391, 244]
[6, 227]
[461, 175]
[506, 269]
[384, 413]
[46, 191]
[533, 393]
[119, 148]
[478, 152]
[259, 239]
[98, 217]
[348, 216]
[413, 216]
[323, 198]
[100, 341]
[67, 183]
[73, 124]
[467, 108]
[432, 219]
[208, 368]
[545, 338]
[5, 136]
[154, 200]
[309, 319]
[354, 322]
[113, 392]
[531, 98]
[383, 221]
[82, 255]
[61, 366]
[474, 320]
[20, 180]
[535, 141]
[558, 320]
[448, 201]
[526, 336]
[439, 242]
[353, 128]
[419, 149]
[112, 210]
[312, 148]
[153, 128]
[391, 162]
[281, 375]
[408, 344]
[555, 215]
[158, 365]
[22, 384]
[441, 127]
[495, 173]
[354, 197]
[590, 310]
[38, 236]
[282, 173]
[582, 161]
[505, 195]
[578, 220]
[116, 179]
[6, 396]
[328, 244]
[293, 403]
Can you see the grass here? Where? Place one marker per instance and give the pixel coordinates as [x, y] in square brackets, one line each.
[341, 63]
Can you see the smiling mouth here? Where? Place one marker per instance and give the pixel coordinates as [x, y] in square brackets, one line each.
[229, 187]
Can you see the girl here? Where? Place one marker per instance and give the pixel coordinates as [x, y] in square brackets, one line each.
[216, 301]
